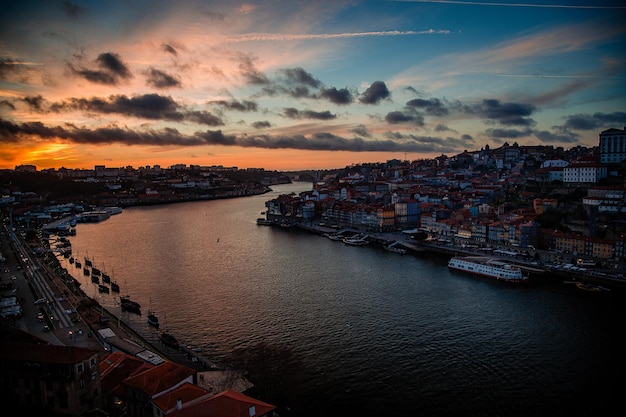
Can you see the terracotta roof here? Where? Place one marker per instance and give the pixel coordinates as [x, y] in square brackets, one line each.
[160, 377]
[226, 404]
[116, 367]
[185, 393]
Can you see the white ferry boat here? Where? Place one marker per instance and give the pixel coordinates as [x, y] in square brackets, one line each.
[488, 267]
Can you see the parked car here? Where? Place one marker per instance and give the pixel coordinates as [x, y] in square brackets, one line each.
[41, 301]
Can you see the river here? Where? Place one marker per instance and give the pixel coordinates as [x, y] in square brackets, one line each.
[376, 333]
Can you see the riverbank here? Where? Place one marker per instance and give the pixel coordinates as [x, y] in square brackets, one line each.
[594, 280]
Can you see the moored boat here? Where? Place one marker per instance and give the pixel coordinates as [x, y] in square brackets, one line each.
[488, 267]
[103, 288]
[130, 305]
[115, 287]
[169, 340]
[153, 320]
[106, 278]
[358, 240]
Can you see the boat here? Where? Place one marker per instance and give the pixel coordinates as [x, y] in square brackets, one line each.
[129, 305]
[264, 222]
[169, 340]
[115, 287]
[106, 278]
[95, 271]
[78, 264]
[357, 240]
[95, 279]
[87, 262]
[153, 320]
[488, 267]
[86, 271]
[395, 249]
[103, 288]
[334, 236]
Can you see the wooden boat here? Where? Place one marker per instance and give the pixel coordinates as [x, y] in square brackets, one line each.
[169, 340]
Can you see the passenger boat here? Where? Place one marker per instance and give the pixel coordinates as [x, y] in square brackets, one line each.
[488, 267]
[264, 222]
[103, 288]
[106, 278]
[169, 340]
[129, 305]
[86, 271]
[95, 279]
[115, 287]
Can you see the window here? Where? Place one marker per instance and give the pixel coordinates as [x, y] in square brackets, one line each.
[80, 368]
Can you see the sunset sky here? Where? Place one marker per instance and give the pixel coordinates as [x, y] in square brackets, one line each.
[285, 85]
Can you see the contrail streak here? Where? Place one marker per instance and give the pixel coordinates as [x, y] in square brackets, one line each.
[482, 3]
[294, 37]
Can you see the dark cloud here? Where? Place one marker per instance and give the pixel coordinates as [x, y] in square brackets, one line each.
[335, 96]
[396, 117]
[112, 70]
[114, 64]
[248, 70]
[7, 104]
[261, 124]
[362, 131]
[72, 10]
[11, 133]
[300, 76]
[169, 49]
[433, 107]
[216, 137]
[376, 92]
[509, 133]
[35, 103]
[442, 128]
[203, 118]
[596, 121]
[433, 144]
[147, 106]
[504, 113]
[294, 113]
[161, 80]
[245, 105]
[549, 137]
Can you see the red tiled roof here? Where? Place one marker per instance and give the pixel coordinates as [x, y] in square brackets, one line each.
[185, 393]
[226, 404]
[116, 367]
[160, 377]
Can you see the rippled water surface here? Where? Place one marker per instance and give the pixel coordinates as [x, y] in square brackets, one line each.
[378, 333]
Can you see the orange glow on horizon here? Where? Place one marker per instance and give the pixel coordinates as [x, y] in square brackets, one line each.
[61, 155]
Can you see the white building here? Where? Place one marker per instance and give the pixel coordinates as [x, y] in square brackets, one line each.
[589, 173]
[613, 146]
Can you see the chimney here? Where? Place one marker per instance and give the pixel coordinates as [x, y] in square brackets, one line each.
[179, 403]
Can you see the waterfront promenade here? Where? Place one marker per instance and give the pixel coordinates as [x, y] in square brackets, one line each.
[68, 316]
[542, 265]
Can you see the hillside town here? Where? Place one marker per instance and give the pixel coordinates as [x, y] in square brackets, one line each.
[525, 199]
[549, 205]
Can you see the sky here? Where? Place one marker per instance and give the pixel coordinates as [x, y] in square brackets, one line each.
[294, 85]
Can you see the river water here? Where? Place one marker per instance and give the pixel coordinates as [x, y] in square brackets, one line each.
[377, 333]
